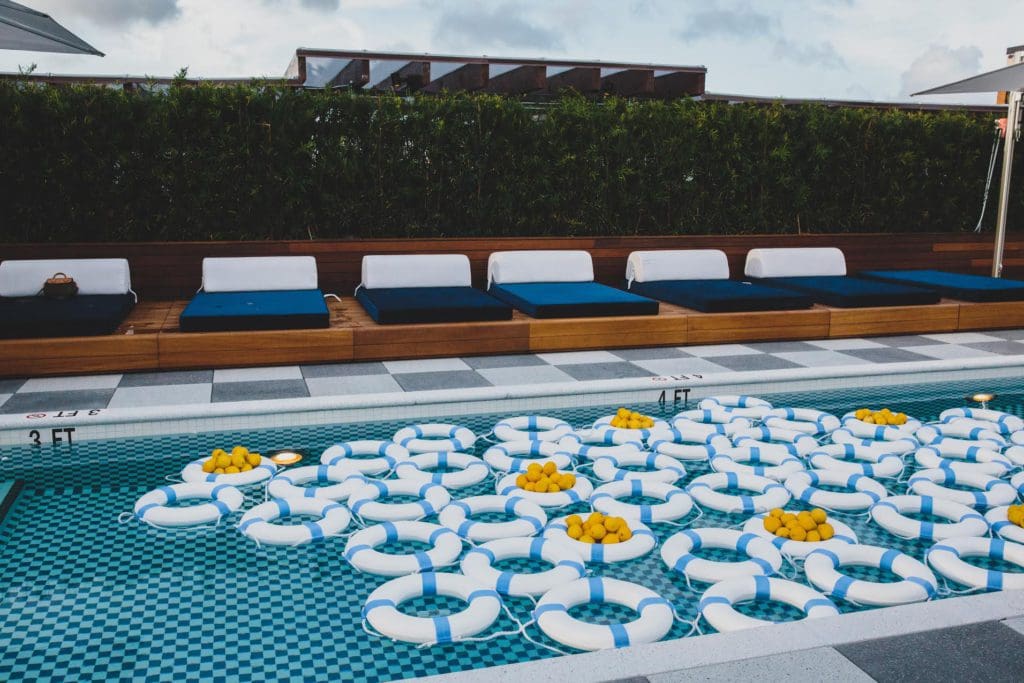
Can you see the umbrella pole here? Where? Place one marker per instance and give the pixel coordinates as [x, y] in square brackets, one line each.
[1012, 115]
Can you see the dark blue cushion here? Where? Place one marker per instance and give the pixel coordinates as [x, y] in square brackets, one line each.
[843, 291]
[955, 285]
[431, 305]
[721, 296]
[281, 310]
[83, 315]
[572, 300]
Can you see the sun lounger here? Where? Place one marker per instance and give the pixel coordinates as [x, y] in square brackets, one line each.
[558, 284]
[257, 293]
[699, 279]
[821, 274]
[424, 288]
[954, 285]
[103, 300]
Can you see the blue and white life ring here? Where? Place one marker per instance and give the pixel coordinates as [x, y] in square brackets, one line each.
[579, 492]
[531, 428]
[898, 445]
[1004, 423]
[517, 456]
[659, 467]
[807, 420]
[738, 405]
[470, 470]
[384, 455]
[716, 420]
[675, 504]
[853, 458]
[589, 444]
[771, 464]
[869, 430]
[361, 549]
[640, 543]
[774, 440]
[917, 583]
[157, 507]
[1001, 525]
[963, 458]
[258, 522]
[705, 491]
[603, 427]
[946, 557]
[861, 491]
[957, 432]
[988, 491]
[342, 481]
[193, 473]
[567, 565]
[844, 535]
[677, 552]
[530, 518]
[716, 605]
[655, 615]
[434, 437]
[366, 502]
[890, 514]
[686, 443]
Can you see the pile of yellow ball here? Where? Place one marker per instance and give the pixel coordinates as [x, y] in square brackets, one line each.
[545, 478]
[880, 417]
[630, 419]
[597, 528]
[1016, 515]
[810, 526]
[240, 459]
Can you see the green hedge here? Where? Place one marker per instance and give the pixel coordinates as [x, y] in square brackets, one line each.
[253, 162]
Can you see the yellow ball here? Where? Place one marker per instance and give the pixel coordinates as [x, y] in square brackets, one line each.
[209, 465]
[534, 467]
[553, 488]
[231, 469]
[818, 515]
[787, 517]
[246, 467]
[798, 534]
[534, 475]
[813, 536]
[568, 481]
[240, 450]
[223, 460]
[861, 414]
[595, 517]
[612, 524]
[1014, 514]
[574, 531]
[237, 459]
[219, 470]
[622, 412]
[870, 420]
[826, 531]
[624, 533]
[609, 539]
[253, 459]
[217, 452]
[776, 512]
[549, 467]
[574, 520]
[597, 531]
[543, 483]
[586, 539]
[522, 481]
[782, 532]
[772, 524]
[901, 418]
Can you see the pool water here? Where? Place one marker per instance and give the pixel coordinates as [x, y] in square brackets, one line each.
[86, 597]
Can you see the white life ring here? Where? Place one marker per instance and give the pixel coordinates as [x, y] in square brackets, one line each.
[386, 454]
[704, 490]
[738, 405]
[156, 506]
[193, 473]
[434, 437]
[470, 470]
[365, 502]
[587, 444]
[483, 606]
[685, 443]
[717, 420]
[579, 493]
[1015, 454]
[1017, 438]
[852, 458]
[676, 503]
[258, 522]
[807, 420]
[946, 557]
[771, 464]
[771, 439]
[977, 459]
[530, 518]
[1001, 525]
[640, 543]
[478, 564]
[603, 425]
[896, 446]
[654, 620]
[531, 428]
[763, 559]
[517, 456]
[917, 585]
[862, 491]
[361, 549]
[716, 605]
[989, 491]
[844, 535]
[964, 521]
[957, 432]
[869, 430]
[1004, 423]
[1017, 481]
[344, 481]
[660, 467]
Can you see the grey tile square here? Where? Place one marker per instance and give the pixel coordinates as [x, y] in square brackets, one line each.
[988, 652]
[783, 346]
[822, 358]
[356, 384]
[892, 355]
[595, 371]
[9, 386]
[425, 365]
[818, 664]
[653, 353]
[79, 383]
[954, 351]
[259, 390]
[343, 370]
[165, 395]
[153, 379]
[845, 344]
[1003, 348]
[258, 374]
[49, 401]
[760, 361]
[519, 360]
[680, 366]
[4, 397]
[900, 341]
[1013, 335]
[539, 374]
[451, 379]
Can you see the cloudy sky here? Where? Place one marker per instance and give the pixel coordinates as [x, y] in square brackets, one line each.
[844, 49]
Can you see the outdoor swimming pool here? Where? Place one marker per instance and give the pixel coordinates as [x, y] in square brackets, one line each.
[85, 596]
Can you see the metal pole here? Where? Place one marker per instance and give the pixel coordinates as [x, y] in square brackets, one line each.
[1012, 115]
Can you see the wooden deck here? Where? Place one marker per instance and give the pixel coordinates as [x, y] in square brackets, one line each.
[150, 339]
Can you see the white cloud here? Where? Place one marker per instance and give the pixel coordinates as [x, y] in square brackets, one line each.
[939, 65]
[113, 12]
[503, 26]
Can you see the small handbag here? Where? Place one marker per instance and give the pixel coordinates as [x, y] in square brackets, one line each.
[60, 286]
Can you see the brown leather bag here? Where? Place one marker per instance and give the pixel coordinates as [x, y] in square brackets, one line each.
[60, 286]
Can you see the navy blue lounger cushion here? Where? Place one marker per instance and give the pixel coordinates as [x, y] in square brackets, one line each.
[721, 296]
[274, 310]
[390, 305]
[572, 299]
[843, 291]
[83, 315]
[955, 285]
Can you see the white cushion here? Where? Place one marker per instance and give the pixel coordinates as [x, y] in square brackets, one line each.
[507, 267]
[682, 264]
[795, 262]
[259, 273]
[416, 270]
[93, 275]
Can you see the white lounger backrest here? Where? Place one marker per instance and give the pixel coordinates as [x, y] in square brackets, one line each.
[259, 273]
[795, 262]
[92, 275]
[416, 270]
[680, 264]
[509, 267]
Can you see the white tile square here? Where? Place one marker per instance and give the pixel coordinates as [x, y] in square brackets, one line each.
[821, 359]
[962, 337]
[4, 397]
[257, 374]
[425, 365]
[70, 383]
[712, 350]
[846, 344]
[166, 395]
[664, 367]
[948, 351]
[352, 384]
[579, 357]
[535, 374]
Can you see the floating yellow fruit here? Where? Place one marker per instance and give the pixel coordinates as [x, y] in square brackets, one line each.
[533, 475]
[209, 465]
[574, 520]
[595, 518]
[787, 517]
[534, 467]
[1016, 514]
[223, 460]
[798, 534]
[240, 450]
[818, 515]
[237, 459]
[545, 478]
[782, 532]
[586, 539]
[219, 470]
[609, 539]
[253, 459]
[549, 467]
[522, 481]
[231, 469]
[776, 512]
[807, 523]
[568, 481]
[217, 452]
[772, 524]
[598, 531]
[612, 524]
[624, 533]
[246, 467]
[575, 531]
[826, 531]
[813, 536]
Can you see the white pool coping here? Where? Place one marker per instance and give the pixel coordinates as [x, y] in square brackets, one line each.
[109, 423]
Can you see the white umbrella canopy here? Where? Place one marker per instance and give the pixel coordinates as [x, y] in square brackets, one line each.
[23, 28]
